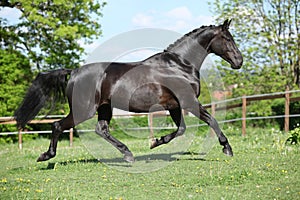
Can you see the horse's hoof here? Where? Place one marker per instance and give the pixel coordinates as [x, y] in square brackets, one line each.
[154, 143]
[227, 150]
[44, 156]
[129, 158]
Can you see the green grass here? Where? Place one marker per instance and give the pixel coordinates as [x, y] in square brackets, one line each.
[263, 168]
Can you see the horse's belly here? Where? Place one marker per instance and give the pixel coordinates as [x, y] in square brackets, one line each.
[149, 97]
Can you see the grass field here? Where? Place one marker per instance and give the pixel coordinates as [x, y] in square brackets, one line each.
[263, 168]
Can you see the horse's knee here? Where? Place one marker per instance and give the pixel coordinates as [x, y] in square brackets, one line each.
[181, 130]
[56, 129]
[55, 126]
[98, 130]
[102, 128]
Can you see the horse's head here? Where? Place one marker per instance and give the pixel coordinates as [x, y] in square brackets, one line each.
[224, 46]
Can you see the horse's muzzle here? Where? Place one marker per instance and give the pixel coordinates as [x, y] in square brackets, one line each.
[237, 62]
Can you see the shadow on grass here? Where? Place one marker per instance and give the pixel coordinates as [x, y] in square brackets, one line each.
[165, 157]
[51, 165]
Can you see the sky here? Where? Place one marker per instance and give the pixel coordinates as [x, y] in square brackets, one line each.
[120, 16]
[177, 15]
[181, 16]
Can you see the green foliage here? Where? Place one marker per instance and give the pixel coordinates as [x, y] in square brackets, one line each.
[51, 33]
[294, 138]
[15, 75]
[14, 138]
[205, 95]
[140, 121]
[278, 107]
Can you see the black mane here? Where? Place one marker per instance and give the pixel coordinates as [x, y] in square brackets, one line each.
[195, 31]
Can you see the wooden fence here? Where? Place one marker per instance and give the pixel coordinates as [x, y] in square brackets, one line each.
[215, 106]
[287, 95]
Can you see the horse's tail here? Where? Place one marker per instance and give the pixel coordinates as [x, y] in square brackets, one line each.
[46, 85]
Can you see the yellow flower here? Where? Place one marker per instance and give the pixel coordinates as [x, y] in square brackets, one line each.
[284, 171]
[3, 180]
[199, 190]
[19, 179]
[47, 180]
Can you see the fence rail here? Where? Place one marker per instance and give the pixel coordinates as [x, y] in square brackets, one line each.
[214, 106]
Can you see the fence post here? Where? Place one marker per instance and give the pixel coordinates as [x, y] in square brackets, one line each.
[71, 137]
[20, 138]
[287, 110]
[150, 121]
[213, 109]
[244, 111]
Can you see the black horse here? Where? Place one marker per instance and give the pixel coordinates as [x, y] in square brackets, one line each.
[168, 80]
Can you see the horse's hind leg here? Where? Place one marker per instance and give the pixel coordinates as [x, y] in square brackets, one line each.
[176, 115]
[102, 129]
[57, 129]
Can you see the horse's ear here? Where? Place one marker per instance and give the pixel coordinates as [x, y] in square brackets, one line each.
[226, 24]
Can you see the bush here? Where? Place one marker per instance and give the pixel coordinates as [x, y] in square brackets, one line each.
[294, 136]
[278, 107]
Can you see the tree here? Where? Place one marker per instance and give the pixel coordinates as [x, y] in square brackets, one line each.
[268, 34]
[48, 35]
[50, 32]
[15, 76]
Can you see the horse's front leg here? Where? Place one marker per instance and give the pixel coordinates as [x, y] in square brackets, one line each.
[202, 114]
[176, 115]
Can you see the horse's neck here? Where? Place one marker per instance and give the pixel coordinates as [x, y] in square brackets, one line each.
[190, 50]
